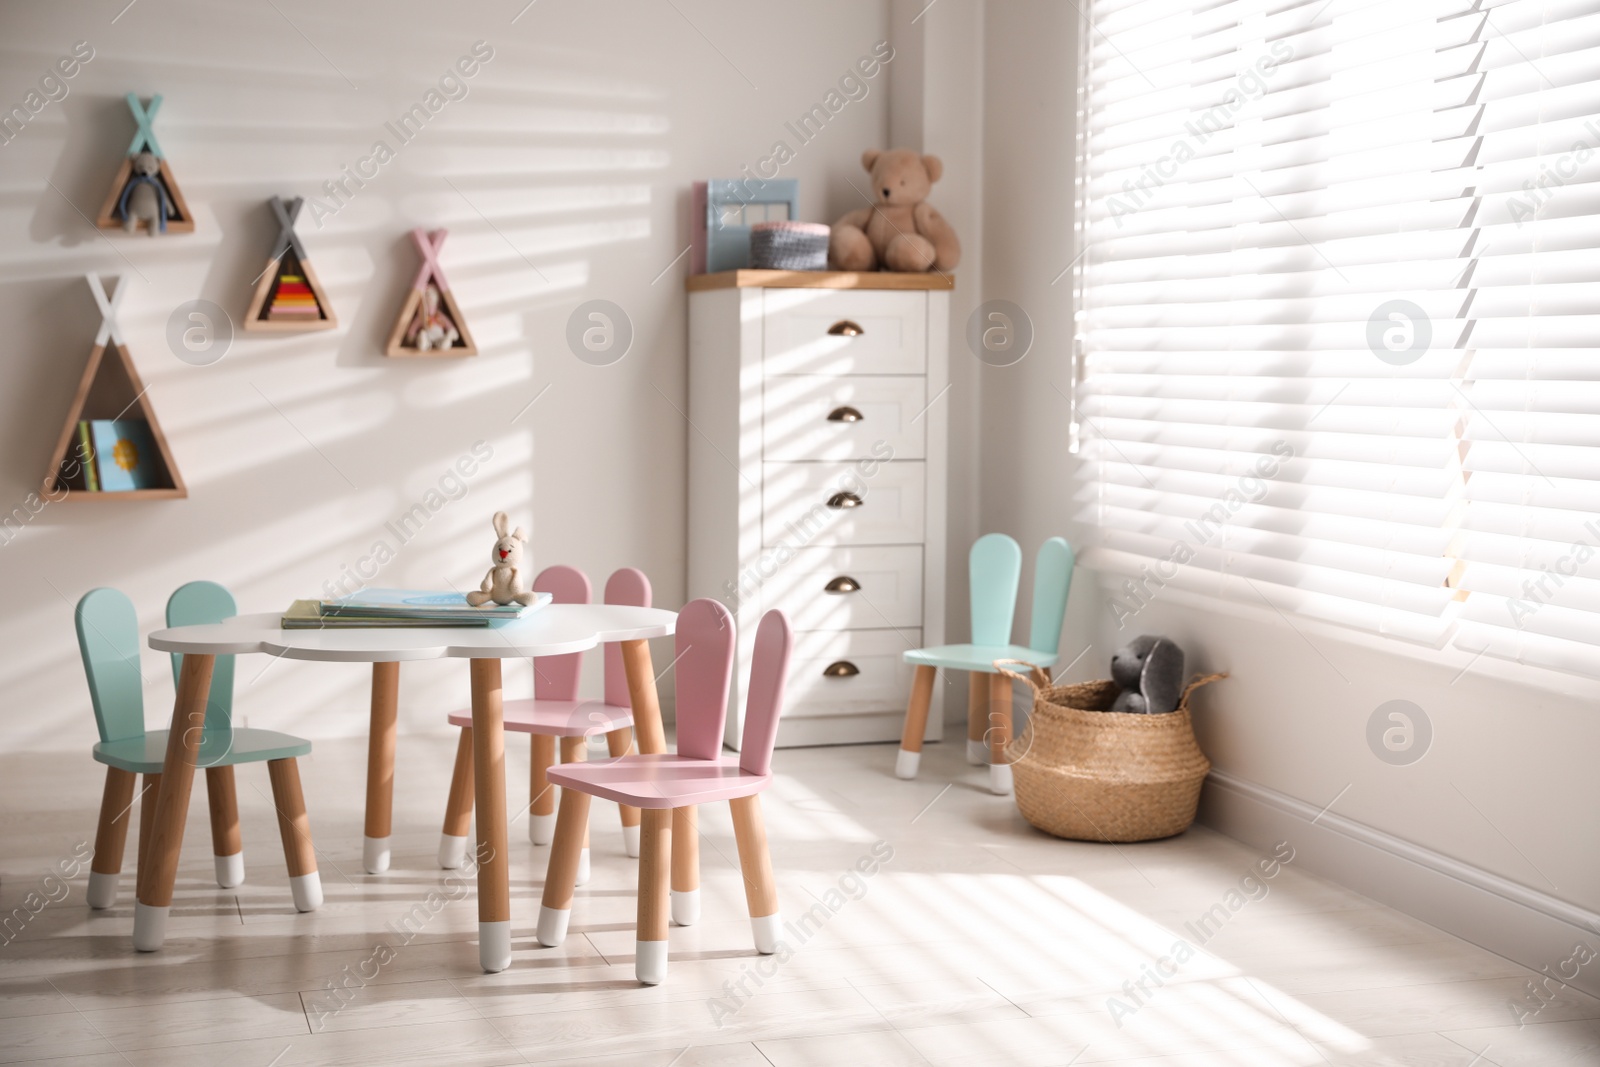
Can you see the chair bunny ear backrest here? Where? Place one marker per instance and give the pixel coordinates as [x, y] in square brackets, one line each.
[108, 638]
[993, 570]
[704, 673]
[1052, 578]
[769, 673]
[556, 677]
[627, 586]
[195, 604]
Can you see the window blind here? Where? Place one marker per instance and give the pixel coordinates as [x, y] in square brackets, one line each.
[1338, 313]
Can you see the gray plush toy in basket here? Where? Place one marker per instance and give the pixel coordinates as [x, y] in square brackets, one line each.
[1088, 770]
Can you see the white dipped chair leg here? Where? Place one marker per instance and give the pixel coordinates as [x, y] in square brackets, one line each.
[230, 870]
[1000, 779]
[906, 764]
[630, 841]
[541, 829]
[375, 854]
[765, 930]
[452, 851]
[553, 926]
[102, 890]
[650, 962]
[685, 906]
[494, 946]
[307, 891]
[149, 926]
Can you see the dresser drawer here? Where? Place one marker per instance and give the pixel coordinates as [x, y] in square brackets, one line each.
[867, 674]
[810, 503]
[827, 331]
[872, 588]
[815, 417]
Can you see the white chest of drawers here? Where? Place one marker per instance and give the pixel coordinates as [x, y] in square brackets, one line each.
[817, 479]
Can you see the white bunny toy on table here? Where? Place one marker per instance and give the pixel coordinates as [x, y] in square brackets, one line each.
[507, 580]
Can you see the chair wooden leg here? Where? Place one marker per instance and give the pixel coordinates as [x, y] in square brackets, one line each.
[381, 735]
[620, 743]
[685, 866]
[111, 837]
[655, 861]
[576, 750]
[999, 735]
[147, 821]
[458, 808]
[227, 846]
[172, 803]
[294, 826]
[755, 862]
[646, 701]
[977, 718]
[905, 764]
[489, 797]
[541, 794]
[561, 875]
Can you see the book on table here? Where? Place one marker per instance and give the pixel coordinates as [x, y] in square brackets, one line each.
[307, 615]
[408, 607]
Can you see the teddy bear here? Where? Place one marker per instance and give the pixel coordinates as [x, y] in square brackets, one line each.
[507, 581]
[431, 328]
[901, 231]
[1149, 670]
[144, 198]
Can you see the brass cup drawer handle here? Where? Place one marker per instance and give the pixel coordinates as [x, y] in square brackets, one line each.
[845, 500]
[845, 328]
[845, 414]
[842, 584]
[841, 668]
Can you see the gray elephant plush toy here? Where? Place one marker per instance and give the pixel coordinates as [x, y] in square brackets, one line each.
[1149, 670]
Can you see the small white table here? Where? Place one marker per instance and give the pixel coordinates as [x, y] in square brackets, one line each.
[551, 631]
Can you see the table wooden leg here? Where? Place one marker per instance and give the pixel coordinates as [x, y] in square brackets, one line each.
[647, 728]
[227, 844]
[458, 808]
[999, 733]
[910, 754]
[655, 857]
[541, 794]
[619, 743]
[755, 862]
[111, 837]
[380, 767]
[685, 866]
[489, 775]
[172, 805]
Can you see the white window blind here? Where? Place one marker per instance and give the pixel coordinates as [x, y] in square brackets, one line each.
[1338, 342]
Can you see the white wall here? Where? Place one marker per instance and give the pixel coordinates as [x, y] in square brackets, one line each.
[563, 176]
[1508, 786]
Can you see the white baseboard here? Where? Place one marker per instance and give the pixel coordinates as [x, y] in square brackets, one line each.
[1519, 923]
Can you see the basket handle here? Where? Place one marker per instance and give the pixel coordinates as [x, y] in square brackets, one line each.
[1037, 678]
[1204, 679]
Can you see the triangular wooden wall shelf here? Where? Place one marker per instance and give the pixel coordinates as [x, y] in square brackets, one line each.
[288, 297]
[110, 388]
[406, 339]
[179, 220]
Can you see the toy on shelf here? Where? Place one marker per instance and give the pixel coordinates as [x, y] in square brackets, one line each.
[144, 194]
[901, 230]
[1149, 670]
[117, 450]
[430, 323]
[507, 580]
[288, 297]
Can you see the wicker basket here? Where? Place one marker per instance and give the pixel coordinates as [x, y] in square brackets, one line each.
[1094, 775]
[789, 246]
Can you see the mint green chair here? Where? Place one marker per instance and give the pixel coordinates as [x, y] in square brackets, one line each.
[108, 639]
[994, 570]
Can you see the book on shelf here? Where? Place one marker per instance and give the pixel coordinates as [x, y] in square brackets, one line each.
[124, 456]
[424, 604]
[91, 477]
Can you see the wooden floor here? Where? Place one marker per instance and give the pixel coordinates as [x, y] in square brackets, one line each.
[978, 941]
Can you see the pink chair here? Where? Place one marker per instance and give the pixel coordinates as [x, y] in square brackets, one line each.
[698, 774]
[555, 712]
